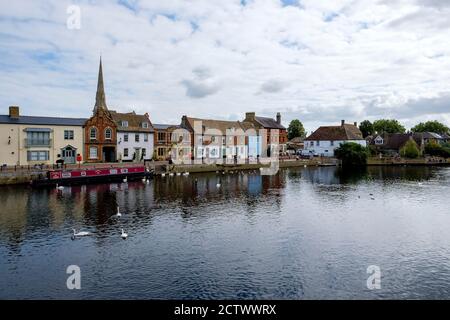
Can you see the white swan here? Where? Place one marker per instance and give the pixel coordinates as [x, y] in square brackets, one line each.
[118, 214]
[218, 185]
[124, 235]
[163, 174]
[186, 173]
[125, 180]
[144, 180]
[178, 173]
[80, 233]
[59, 187]
[171, 174]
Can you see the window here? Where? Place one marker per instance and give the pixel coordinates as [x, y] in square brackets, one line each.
[125, 137]
[38, 156]
[108, 134]
[160, 152]
[213, 138]
[317, 143]
[144, 151]
[145, 137]
[125, 152]
[93, 133]
[161, 136]
[331, 143]
[379, 140]
[136, 137]
[38, 138]
[145, 125]
[124, 123]
[68, 134]
[93, 154]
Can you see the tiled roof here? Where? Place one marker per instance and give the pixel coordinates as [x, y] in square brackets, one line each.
[43, 120]
[134, 121]
[395, 141]
[164, 126]
[335, 133]
[221, 125]
[269, 123]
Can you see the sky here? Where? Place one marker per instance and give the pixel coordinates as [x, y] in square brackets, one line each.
[312, 60]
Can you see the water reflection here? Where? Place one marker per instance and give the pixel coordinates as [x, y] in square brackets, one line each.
[235, 235]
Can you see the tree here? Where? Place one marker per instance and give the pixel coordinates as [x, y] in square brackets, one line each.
[296, 129]
[388, 126]
[431, 126]
[351, 154]
[410, 150]
[366, 128]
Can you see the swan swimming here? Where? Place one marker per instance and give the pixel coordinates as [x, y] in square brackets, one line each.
[163, 174]
[218, 185]
[80, 234]
[125, 180]
[59, 187]
[124, 235]
[118, 214]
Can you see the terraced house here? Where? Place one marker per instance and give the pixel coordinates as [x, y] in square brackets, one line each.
[29, 140]
[215, 140]
[134, 136]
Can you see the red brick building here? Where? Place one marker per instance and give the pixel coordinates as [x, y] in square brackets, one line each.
[100, 130]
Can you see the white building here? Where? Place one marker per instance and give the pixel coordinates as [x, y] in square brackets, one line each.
[135, 140]
[324, 140]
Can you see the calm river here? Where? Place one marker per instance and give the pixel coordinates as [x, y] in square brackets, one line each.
[303, 233]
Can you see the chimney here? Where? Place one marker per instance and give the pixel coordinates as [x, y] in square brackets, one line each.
[342, 122]
[355, 124]
[250, 116]
[278, 118]
[14, 112]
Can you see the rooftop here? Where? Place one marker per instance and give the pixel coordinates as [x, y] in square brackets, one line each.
[32, 120]
[336, 133]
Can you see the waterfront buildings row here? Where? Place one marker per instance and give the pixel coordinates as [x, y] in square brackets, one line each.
[111, 136]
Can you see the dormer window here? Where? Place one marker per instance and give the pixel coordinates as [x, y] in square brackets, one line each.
[379, 140]
[124, 123]
[145, 125]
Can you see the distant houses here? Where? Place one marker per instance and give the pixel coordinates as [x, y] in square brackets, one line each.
[326, 139]
[110, 136]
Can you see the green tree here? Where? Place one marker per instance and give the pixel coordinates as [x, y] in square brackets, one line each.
[296, 129]
[388, 126]
[351, 154]
[366, 128]
[431, 126]
[410, 150]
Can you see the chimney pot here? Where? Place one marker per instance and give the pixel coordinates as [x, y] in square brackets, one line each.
[14, 112]
[355, 124]
[342, 122]
[278, 118]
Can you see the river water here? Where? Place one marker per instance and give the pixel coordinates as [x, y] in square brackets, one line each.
[301, 234]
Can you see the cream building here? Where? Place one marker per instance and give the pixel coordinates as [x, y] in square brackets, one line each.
[27, 140]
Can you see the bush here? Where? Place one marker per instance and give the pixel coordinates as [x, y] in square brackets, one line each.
[410, 150]
[351, 154]
[435, 149]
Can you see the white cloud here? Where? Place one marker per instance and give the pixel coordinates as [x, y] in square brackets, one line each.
[319, 61]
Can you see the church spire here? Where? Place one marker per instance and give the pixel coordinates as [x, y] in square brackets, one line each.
[100, 101]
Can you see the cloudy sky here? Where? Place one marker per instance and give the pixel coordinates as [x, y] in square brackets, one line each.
[318, 61]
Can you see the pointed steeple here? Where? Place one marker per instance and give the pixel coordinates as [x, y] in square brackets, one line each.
[100, 100]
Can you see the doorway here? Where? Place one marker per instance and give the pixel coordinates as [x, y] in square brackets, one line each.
[68, 154]
[109, 154]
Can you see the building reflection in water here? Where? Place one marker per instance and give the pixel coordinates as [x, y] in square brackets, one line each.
[25, 210]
